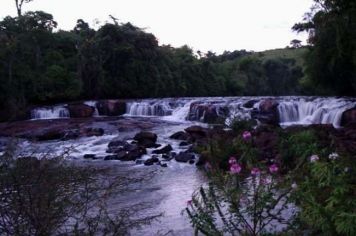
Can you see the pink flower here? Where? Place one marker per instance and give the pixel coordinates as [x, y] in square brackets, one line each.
[232, 160]
[255, 171]
[235, 168]
[273, 168]
[314, 158]
[246, 135]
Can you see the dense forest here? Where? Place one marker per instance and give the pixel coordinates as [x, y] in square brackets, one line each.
[41, 65]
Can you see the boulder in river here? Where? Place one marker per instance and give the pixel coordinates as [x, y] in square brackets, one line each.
[80, 110]
[348, 117]
[93, 132]
[89, 156]
[181, 135]
[197, 132]
[207, 113]
[267, 112]
[111, 107]
[110, 157]
[151, 161]
[249, 104]
[146, 139]
[131, 153]
[166, 149]
[184, 157]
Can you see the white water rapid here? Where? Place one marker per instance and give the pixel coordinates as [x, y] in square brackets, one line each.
[291, 110]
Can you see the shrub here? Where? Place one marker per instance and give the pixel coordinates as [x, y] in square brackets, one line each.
[49, 196]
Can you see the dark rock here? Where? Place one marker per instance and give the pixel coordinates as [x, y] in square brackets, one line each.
[120, 155]
[191, 162]
[140, 162]
[267, 143]
[80, 111]
[89, 156]
[151, 161]
[197, 132]
[93, 132]
[51, 134]
[202, 160]
[348, 117]
[181, 135]
[156, 145]
[184, 143]
[110, 157]
[184, 157]
[131, 152]
[117, 143]
[116, 146]
[190, 149]
[71, 134]
[111, 107]
[165, 149]
[250, 104]
[166, 156]
[208, 113]
[146, 139]
[164, 165]
[267, 112]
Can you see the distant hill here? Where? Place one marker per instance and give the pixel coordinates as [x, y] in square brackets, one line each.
[285, 53]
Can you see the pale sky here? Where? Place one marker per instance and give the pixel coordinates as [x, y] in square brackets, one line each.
[215, 25]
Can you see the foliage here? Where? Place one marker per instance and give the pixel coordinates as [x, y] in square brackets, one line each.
[236, 205]
[326, 196]
[238, 126]
[297, 147]
[322, 189]
[49, 196]
[120, 60]
[331, 61]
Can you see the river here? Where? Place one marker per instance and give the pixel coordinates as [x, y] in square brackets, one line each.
[168, 189]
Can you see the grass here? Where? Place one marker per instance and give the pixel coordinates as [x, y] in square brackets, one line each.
[285, 53]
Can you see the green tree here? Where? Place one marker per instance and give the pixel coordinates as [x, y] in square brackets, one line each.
[331, 63]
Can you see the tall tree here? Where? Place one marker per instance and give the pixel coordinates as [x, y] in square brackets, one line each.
[331, 63]
[19, 4]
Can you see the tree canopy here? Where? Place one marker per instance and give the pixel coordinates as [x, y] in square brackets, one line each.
[331, 62]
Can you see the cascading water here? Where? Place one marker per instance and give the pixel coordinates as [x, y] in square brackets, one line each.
[162, 107]
[292, 110]
[49, 113]
[93, 104]
[306, 111]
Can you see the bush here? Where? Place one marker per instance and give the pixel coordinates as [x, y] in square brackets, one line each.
[49, 196]
[327, 196]
[234, 205]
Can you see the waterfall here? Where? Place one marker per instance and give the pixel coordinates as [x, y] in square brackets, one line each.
[304, 111]
[93, 104]
[150, 108]
[49, 113]
[180, 113]
[292, 110]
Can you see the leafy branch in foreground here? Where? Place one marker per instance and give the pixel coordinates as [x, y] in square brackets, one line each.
[235, 205]
[42, 196]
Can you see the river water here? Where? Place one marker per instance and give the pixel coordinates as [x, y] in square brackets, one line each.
[168, 189]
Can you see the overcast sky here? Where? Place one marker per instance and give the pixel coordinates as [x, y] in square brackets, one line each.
[215, 25]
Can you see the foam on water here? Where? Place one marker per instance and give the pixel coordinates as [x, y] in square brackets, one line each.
[292, 110]
[54, 112]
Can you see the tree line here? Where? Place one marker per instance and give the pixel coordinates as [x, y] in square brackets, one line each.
[331, 60]
[42, 65]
